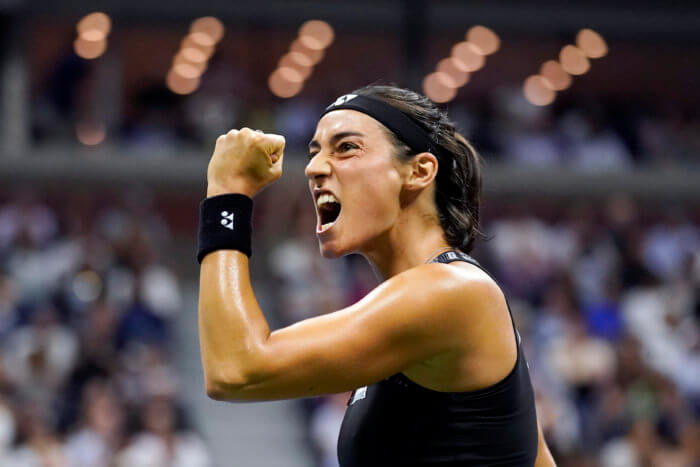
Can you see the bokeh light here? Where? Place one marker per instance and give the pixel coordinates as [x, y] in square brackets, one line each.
[183, 58]
[202, 39]
[573, 60]
[307, 50]
[314, 55]
[93, 35]
[180, 84]
[537, 91]
[297, 58]
[193, 55]
[591, 43]
[467, 57]
[209, 26]
[89, 49]
[95, 21]
[316, 34]
[437, 87]
[93, 30]
[451, 69]
[281, 87]
[290, 74]
[191, 61]
[554, 75]
[189, 42]
[90, 133]
[484, 40]
[292, 60]
[187, 70]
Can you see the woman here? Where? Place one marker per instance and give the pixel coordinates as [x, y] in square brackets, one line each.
[431, 354]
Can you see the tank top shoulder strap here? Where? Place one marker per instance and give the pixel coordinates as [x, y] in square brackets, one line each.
[456, 255]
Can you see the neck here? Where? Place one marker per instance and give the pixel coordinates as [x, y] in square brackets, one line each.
[411, 242]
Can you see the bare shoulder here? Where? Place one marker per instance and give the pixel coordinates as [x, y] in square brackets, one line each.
[474, 317]
[459, 284]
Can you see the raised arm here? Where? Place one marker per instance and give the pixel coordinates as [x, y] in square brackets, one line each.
[410, 318]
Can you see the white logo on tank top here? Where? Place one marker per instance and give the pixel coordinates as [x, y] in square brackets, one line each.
[359, 394]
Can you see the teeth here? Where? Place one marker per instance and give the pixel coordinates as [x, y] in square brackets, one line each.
[326, 226]
[326, 198]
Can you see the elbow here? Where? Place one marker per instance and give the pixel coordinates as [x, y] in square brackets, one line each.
[234, 380]
[216, 391]
[223, 387]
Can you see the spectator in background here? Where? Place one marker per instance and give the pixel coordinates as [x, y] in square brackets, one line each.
[161, 442]
[41, 355]
[308, 282]
[668, 244]
[296, 119]
[527, 132]
[216, 107]
[39, 445]
[8, 297]
[67, 282]
[58, 107]
[591, 143]
[155, 126]
[100, 431]
[603, 315]
[7, 428]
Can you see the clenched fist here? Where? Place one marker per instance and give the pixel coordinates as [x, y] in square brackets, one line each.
[244, 161]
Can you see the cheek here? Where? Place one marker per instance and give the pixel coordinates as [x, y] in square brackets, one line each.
[375, 195]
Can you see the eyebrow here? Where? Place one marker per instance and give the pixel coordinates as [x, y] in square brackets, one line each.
[335, 138]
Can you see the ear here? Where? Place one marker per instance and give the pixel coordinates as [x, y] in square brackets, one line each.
[420, 171]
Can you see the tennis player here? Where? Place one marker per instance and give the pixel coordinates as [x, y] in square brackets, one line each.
[432, 355]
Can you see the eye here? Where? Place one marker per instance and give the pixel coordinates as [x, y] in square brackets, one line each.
[347, 146]
[312, 154]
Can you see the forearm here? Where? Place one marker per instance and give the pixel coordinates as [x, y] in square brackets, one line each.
[232, 328]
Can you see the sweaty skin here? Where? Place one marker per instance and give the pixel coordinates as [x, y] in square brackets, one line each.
[446, 327]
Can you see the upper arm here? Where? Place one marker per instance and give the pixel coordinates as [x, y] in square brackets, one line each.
[409, 318]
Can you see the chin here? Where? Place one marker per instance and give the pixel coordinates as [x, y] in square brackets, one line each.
[328, 250]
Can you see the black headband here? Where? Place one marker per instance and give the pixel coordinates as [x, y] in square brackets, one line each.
[403, 126]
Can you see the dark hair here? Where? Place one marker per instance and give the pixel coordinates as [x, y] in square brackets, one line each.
[458, 181]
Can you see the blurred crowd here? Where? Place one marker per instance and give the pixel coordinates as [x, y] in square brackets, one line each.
[579, 130]
[86, 311]
[607, 299]
[606, 295]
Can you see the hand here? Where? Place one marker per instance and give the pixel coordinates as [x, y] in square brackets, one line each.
[245, 161]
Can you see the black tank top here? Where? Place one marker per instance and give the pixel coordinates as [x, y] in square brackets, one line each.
[398, 423]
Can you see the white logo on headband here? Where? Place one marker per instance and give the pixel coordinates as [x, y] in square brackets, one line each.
[343, 99]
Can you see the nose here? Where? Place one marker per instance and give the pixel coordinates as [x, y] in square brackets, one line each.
[317, 168]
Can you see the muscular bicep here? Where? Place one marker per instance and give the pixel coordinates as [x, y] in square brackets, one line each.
[403, 322]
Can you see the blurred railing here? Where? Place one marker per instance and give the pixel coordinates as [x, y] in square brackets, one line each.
[186, 173]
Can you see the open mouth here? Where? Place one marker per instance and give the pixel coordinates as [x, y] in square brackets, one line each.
[328, 207]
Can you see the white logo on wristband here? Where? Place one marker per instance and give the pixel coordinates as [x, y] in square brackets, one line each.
[227, 220]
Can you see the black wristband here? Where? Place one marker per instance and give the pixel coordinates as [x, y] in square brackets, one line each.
[225, 223]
